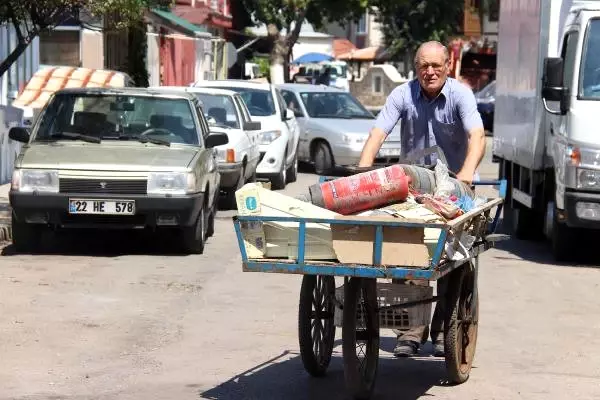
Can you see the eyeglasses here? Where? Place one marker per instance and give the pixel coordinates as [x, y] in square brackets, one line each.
[435, 66]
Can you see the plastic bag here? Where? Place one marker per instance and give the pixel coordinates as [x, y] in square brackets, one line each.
[443, 185]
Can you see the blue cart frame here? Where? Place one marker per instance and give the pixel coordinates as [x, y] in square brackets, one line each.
[360, 291]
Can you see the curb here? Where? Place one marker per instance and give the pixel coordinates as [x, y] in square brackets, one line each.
[5, 233]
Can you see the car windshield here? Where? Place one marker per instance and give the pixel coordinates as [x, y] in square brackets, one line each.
[334, 105]
[590, 69]
[118, 117]
[260, 102]
[221, 108]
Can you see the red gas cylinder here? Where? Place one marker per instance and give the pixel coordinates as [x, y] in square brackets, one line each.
[363, 191]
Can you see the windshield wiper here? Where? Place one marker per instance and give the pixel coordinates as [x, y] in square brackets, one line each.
[146, 139]
[75, 136]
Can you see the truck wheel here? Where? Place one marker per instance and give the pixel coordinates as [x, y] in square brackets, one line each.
[26, 238]
[524, 222]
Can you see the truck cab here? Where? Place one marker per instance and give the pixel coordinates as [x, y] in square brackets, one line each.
[547, 105]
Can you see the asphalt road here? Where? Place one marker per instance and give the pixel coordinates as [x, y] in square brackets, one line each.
[118, 317]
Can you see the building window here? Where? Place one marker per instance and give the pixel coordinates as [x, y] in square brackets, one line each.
[377, 84]
[361, 26]
[60, 47]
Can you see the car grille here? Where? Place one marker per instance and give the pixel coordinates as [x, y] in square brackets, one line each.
[102, 186]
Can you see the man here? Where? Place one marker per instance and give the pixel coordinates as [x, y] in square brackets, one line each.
[435, 110]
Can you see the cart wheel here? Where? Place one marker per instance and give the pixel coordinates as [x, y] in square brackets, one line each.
[360, 336]
[460, 333]
[316, 328]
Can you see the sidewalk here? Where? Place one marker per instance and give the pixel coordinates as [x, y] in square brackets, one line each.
[4, 213]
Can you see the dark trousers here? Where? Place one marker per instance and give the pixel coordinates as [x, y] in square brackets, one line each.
[420, 333]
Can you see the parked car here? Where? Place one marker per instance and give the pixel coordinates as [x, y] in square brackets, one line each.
[334, 127]
[486, 101]
[279, 132]
[226, 112]
[113, 159]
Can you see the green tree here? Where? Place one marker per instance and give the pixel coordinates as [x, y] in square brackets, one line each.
[406, 24]
[289, 15]
[30, 17]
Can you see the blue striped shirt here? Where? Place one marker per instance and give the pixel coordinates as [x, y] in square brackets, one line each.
[445, 120]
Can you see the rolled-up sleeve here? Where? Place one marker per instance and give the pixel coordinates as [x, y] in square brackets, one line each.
[467, 107]
[392, 110]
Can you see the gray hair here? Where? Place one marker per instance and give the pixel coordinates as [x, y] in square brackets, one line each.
[432, 44]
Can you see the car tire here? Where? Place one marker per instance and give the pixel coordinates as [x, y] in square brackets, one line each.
[27, 238]
[323, 159]
[278, 181]
[292, 172]
[230, 200]
[194, 236]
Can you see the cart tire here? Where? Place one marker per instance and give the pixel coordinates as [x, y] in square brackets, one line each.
[360, 375]
[316, 327]
[461, 323]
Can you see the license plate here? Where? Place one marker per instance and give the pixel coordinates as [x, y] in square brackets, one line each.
[389, 152]
[106, 207]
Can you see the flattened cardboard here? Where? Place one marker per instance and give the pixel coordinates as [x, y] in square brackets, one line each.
[402, 246]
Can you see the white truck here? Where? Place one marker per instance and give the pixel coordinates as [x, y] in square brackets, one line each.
[547, 107]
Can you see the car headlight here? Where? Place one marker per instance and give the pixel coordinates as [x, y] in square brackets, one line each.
[269, 136]
[171, 183]
[35, 180]
[588, 179]
[353, 139]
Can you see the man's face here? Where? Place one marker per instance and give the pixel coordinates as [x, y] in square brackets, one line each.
[432, 70]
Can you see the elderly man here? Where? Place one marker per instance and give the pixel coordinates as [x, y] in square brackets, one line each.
[435, 110]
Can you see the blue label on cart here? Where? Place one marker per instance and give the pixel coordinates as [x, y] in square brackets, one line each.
[251, 203]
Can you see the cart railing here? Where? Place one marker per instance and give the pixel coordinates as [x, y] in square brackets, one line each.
[376, 269]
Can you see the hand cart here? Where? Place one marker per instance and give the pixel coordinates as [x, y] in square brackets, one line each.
[367, 305]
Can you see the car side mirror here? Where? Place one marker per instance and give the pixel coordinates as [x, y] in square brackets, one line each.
[252, 126]
[289, 114]
[19, 134]
[216, 139]
[553, 86]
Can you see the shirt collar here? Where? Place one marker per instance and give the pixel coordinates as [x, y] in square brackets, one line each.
[444, 92]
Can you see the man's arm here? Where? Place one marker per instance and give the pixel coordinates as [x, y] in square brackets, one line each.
[471, 119]
[386, 121]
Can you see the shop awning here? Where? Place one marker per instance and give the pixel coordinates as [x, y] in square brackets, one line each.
[45, 82]
[177, 23]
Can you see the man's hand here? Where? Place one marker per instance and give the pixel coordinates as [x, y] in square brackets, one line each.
[372, 145]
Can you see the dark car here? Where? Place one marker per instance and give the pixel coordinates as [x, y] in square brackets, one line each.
[485, 105]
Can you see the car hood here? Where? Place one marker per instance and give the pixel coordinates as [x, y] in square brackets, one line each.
[350, 126]
[120, 156]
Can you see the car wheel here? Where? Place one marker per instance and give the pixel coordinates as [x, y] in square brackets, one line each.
[292, 172]
[194, 236]
[323, 159]
[278, 182]
[231, 202]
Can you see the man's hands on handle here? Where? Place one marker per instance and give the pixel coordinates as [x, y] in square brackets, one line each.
[475, 153]
[371, 148]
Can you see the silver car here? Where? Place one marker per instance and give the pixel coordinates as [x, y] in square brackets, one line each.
[334, 126]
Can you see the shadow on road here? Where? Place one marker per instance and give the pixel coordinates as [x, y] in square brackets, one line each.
[539, 251]
[90, 243]
[283, 377]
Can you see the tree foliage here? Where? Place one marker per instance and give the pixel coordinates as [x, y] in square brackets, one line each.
[289, 15]
[406, 24]
[31, 17]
